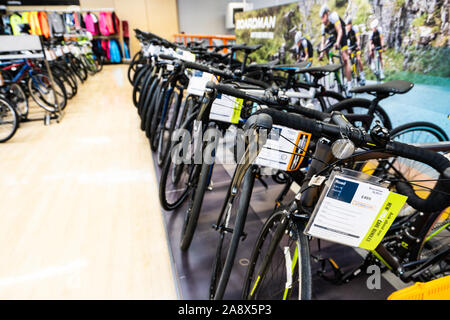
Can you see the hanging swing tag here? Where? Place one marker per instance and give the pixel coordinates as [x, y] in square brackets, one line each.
[226, 108]
[198, 81]
[284, 149]
[354, 210]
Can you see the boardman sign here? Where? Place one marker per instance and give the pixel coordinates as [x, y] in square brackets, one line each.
[257, 23]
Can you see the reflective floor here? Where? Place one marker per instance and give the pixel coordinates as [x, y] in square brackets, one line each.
[79, 212]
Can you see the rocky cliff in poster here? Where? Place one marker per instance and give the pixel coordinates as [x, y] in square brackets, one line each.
[415, 32]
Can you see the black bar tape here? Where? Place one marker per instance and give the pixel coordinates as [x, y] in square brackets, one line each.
[437, 200]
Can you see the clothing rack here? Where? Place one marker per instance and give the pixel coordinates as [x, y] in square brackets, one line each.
[72, 9]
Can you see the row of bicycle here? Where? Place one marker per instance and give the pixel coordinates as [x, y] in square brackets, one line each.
[361, 183]
[49, 84]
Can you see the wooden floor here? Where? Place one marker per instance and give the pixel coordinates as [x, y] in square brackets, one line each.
[79, 209]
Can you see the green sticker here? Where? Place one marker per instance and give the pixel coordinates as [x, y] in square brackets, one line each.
[389, 211]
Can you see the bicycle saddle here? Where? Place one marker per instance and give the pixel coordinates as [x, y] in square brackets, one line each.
[246, 48]
[322, 69]
[262, 66]
[390, 87]
[297, 67]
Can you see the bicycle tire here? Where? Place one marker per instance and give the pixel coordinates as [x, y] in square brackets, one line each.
[434, 237]
[277, 225]
[348, 106]
[429, 127]
[166, 132]
[221, 271]
[172, 204]
[201, 179]
[151, 109]
[327, 99]
[134, 61]
[193, 211]
[41, 101]
[7, 108]
[19, 98]
[144, 94]
[137, 86]
[159, 114]
[147, 108]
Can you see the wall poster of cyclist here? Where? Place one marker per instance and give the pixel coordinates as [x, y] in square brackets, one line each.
[388, 39]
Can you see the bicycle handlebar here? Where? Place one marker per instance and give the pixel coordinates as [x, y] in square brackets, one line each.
[437, 200]
[264, 100]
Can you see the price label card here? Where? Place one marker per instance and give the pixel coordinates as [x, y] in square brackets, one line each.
[354, 213]
[285, 149]
[50, 55]
[59, 52]
[185, 55]
[198, 81]
[226, 108]
[65, 49]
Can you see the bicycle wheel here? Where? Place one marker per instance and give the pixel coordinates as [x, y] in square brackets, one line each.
[19, 99]
[43, 93]
[145, 94]
[137, 85]
[361, 106]
[411, 133]
[435, 238]
[328, 99]
[133, 66]
[200, 181]
[151, 110]
[176, 175]
[9, 120]
[280, 265]
[419, 132]
[159, 114]
[168, 126]
[230, 234]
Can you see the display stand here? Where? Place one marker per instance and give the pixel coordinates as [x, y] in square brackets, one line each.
[30, 47]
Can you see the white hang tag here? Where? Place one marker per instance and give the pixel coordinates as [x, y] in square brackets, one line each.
[284, 149]
[198, 81]
[226, 108]
[354, 212]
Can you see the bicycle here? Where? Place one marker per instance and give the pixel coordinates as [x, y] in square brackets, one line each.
[38, 84]
[287, 225]
[356, 77]
[377, 64]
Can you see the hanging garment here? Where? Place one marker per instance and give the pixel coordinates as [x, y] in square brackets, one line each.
[116, 23]
[91, 21]
[114, 49]
[15, 21]
[34, 23]
[69, 21]
[105, 46]
[125, 29]
[126, 51]
[81, 19]
[43, 23]
[6, 25]
[25, 17]
[110, 22]
[76, 20]
[103, 24]
[56, 23]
